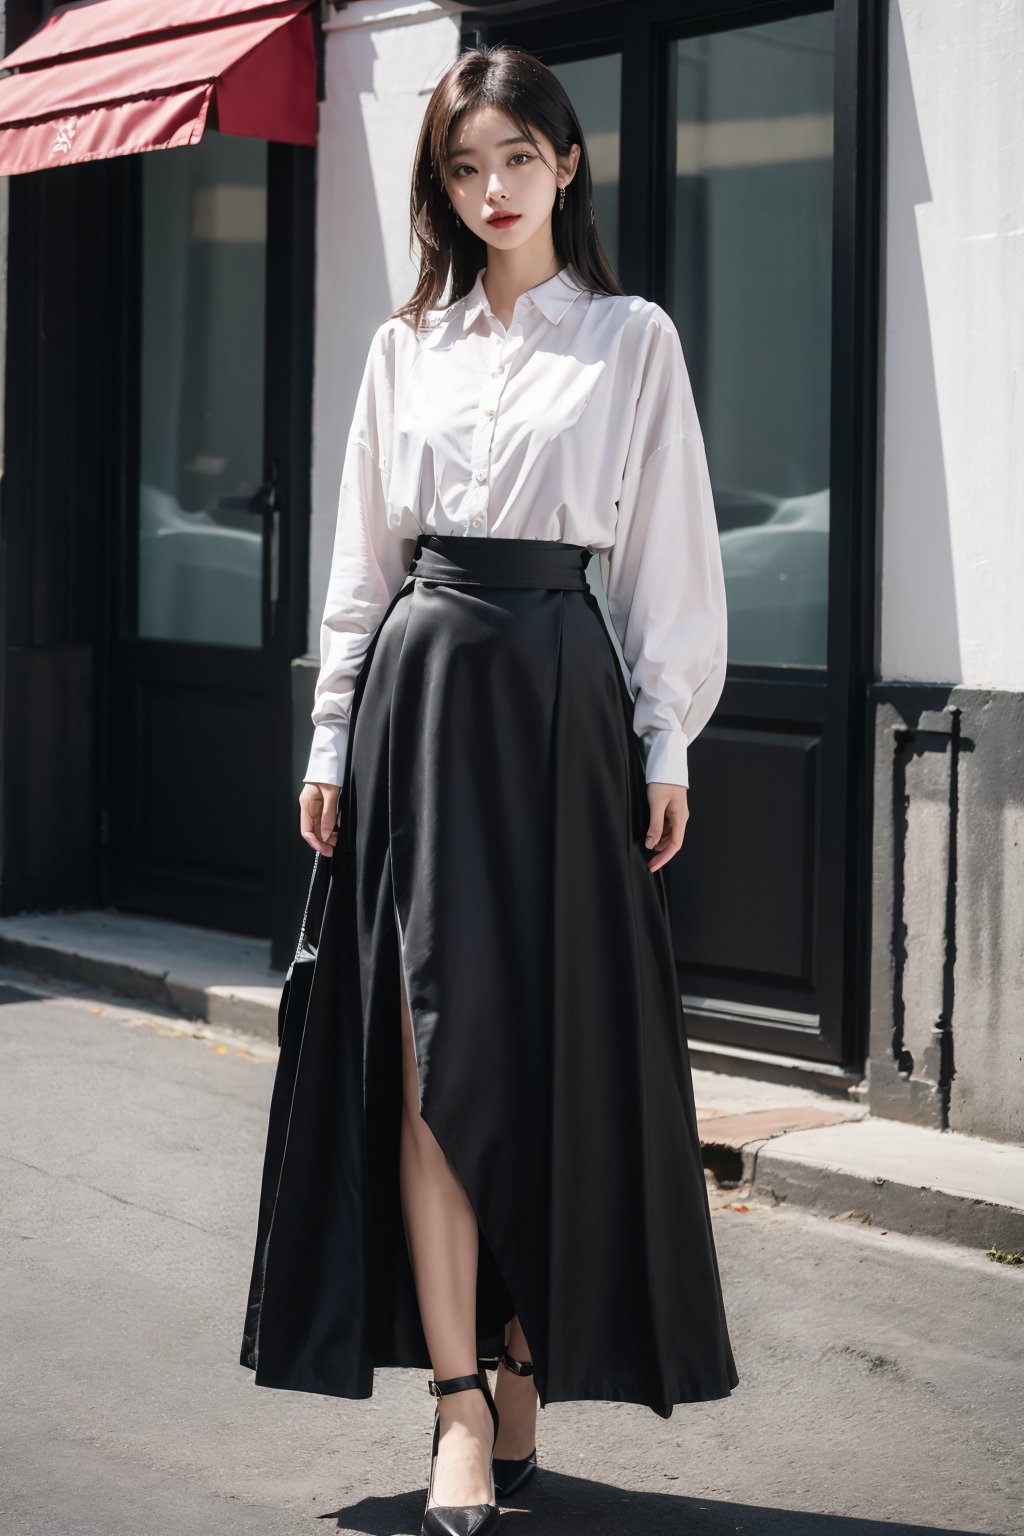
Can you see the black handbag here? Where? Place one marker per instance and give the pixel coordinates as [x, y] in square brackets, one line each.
[291, 1019]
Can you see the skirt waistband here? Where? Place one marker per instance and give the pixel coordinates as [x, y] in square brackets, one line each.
[460, 560]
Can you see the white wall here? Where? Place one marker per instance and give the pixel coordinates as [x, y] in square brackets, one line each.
[953, 385]
[381, 64]
[4, 212]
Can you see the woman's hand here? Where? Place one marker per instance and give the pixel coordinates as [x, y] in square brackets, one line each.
[318, 816]
[669, 815]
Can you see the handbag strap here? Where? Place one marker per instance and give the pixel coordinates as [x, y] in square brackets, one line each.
[309, 898]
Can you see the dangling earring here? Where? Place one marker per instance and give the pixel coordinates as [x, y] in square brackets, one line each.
[458, 221]
[561, 199]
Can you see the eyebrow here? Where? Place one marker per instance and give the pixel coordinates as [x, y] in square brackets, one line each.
[468, 150]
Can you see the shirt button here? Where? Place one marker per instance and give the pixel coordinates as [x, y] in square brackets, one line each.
[476, 522]
[489, 411]
[481, 479]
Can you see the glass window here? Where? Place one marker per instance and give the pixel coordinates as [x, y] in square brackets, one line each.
[201, 411]
[594, 87]
[751, 296]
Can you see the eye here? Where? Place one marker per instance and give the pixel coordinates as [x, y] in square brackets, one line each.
[520, 154]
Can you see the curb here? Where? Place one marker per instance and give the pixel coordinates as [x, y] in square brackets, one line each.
[788, 1168]
[250, 1009]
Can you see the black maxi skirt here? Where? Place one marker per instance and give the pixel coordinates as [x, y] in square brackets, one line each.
[491, 844]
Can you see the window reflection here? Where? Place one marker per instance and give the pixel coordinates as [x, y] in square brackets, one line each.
[752, 300]
[201, 449]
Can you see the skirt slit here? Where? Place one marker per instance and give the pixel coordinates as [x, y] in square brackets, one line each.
[494, 1304]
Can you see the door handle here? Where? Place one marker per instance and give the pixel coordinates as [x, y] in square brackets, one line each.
[263, 503]
[267, 495]
[262, 500]
[275, 566]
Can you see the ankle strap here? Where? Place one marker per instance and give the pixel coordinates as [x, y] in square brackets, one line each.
[455, 1384]
[517, 1367]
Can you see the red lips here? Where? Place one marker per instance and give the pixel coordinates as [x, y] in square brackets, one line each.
[504, 218]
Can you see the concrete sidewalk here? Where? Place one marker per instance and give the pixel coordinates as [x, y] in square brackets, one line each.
[220, 978]
[809, 1148]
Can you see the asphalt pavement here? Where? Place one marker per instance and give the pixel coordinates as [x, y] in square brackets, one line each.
[882, 1377]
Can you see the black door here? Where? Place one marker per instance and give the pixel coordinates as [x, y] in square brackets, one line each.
[209, 537]
[767, 247]
[733, 148]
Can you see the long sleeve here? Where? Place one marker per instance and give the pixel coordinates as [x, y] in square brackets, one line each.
[368, 565]
[665, 585]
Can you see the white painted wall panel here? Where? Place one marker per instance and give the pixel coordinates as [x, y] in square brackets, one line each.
[953, 462]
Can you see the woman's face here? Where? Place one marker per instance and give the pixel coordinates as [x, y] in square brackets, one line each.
[492, 170]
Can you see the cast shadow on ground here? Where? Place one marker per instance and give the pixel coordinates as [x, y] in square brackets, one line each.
[572, 1506]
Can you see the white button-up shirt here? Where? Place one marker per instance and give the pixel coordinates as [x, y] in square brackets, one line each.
[577, 423]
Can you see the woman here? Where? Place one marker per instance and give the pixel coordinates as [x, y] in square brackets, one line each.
[485, 1151]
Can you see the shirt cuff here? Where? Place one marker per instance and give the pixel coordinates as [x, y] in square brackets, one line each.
[665, 757]
[327, 757]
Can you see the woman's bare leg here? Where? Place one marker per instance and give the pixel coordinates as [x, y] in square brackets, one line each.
[516, 1400]
[441, 1231]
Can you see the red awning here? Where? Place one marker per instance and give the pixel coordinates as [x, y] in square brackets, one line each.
[113, 77]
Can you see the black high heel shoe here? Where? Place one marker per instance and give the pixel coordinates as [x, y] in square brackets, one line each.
[510, 1473]
[460, 1519]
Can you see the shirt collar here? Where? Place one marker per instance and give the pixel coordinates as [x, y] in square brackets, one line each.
[552, 297]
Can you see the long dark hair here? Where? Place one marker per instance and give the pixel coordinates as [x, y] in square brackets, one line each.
[518, 84]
